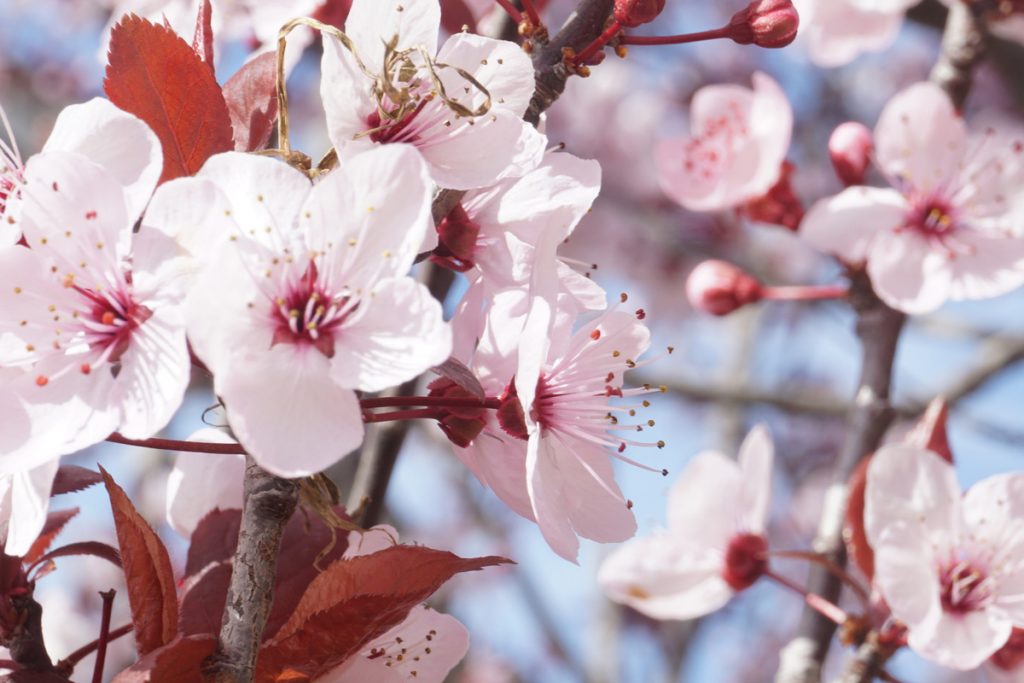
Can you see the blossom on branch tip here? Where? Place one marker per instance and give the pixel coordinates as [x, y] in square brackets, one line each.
[951, 568]
[765, 23]
[390, 89]
[738, 144]
[715, 544]
[850, 147]
[303, 295]
[951, 227]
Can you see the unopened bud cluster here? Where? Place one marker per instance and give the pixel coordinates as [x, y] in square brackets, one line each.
[765, 23]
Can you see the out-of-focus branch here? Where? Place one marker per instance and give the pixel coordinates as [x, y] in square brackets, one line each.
[25, 640]
[878, 328]
[268, 505]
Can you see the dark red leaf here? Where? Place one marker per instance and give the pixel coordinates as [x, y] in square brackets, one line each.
[306, 537]
[154, 74]
[202, 599]
[72, 478]
[214, 540]
[456, 371]
[930, 431]
[251, 96]
[147, 573]
[55, 523]
[177, 662]
[94, 548]
[202, 42]
[354, 601]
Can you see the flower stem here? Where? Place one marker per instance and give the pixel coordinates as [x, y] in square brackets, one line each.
[101, 642]
[414, 414]
[178, 445]
[827, 609]
[68, 663]
[810, 293]
[513, 12]
[590, 50]
[434, 401]
[676, 39]
[836, 570]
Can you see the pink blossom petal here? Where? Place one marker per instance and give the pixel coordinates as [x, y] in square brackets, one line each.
[836, 32]
[194, 213]
[665, 578]
[914, 487]
[499, 462]
[202, 482]
[919, 137]
[372, 23]
[353, 215]
[397, 333]
[910, 272]
[906, 575]
[501, 66]
[702, 505]
[986, 266]
[425, 647]
[545, 485]
[962, 641]
[263, 391]
[115, 140]
[346, 94]
[846, 224]
[755, 458]
[25, 504]
[992, 505]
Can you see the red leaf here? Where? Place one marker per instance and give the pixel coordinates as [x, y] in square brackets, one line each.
[202, 599]
[354, 601]
[72, 478]
[305, 537]
[55, 523]
[147, 573]
[202, 42]
[214, 540]
[94, 548]
[456, 371]
[251, 96]
[177, 662]
[930, 431]
[333, 12]
[154, 74]
[455, 14]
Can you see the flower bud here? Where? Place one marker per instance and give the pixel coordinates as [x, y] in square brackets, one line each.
[460, 425]
[746, 560]
[765, 23]
[850, 148]
[630, 13]
[719, 288]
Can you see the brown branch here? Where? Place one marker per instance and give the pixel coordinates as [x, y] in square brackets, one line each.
[25, 641]
[867, 663]
[268, 504]
[878, 328]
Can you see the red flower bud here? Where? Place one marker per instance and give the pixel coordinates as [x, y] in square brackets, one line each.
[850, 148]
[630, 13]
[765, 23]
[719, 288]
[746, 561]
[460, 425]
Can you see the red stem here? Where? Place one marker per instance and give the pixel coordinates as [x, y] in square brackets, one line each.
[531, 12]
[811, 293]
[821, 605]
[178, 445]
[513, 12]
[590, 50]
[101, 642]
[677, 39]
[419, 413]
[86, 650]
[831, 566]
[433, 401]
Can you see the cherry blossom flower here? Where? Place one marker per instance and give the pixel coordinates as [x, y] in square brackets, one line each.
[835, 32]
[493, 235]
[92, 316]
[547, 450]
[950, 228]
[109, 137]
[360, 89]
[735, 154]
[307, 297]
[201, 482]
[715, 543]
[950, 568]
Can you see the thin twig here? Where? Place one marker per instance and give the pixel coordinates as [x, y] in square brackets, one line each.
[101, 642]
[268, 504]
[68, 663]
[25, 641]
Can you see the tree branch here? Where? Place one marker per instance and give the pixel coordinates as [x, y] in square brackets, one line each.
[25, 640]
[878, 328]
[268, 504]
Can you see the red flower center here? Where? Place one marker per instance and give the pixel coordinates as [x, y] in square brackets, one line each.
[746, 560]
[965, 587]
[307, 314]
